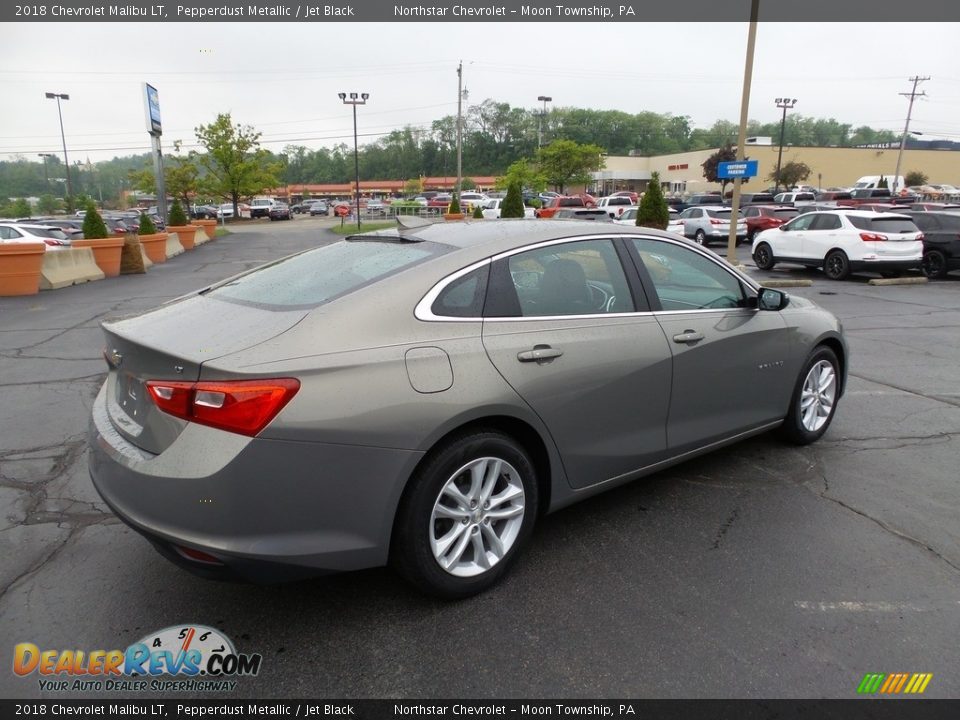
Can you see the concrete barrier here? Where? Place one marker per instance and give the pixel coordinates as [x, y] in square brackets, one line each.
[62, 268]
[898, 281]
[174, 247]
[200, 237]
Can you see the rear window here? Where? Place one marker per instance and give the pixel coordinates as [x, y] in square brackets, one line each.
[884, 224]
[320, 275]
[723, 213]
[786, 213]
[570, 202]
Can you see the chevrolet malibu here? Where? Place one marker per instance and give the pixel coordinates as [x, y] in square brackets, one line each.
[421, 396]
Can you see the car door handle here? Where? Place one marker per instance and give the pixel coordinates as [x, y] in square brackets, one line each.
[688, 336]
[540, 353]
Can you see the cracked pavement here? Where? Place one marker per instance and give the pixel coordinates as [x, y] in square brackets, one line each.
[762, 570]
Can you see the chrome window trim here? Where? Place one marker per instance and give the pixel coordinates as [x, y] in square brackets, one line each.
[424, 309]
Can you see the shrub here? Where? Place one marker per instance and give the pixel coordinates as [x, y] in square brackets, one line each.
[915, 177]
[146, 225]
[653, 211]
[512, 206]
[454, 208]
[93, 225]
[21, 208]
[177, 215]
[477, 212]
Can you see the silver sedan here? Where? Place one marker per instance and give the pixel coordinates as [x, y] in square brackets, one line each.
[420, 396]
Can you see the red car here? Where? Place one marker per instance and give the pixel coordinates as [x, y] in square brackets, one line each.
[565, 201]
[764, 217]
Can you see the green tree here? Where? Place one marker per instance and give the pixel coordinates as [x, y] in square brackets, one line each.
[525, 174]
[564, 162]
[712, 163]
[21, 208]
[512, 205]
[653, 211]
[48, 204]
[477, 212]
[468, 184]
[914, 177]
[177, 215]
[454, 208]
[146, 225]
[93, 225]
[791, 173]
[883, 183]
[235, 164]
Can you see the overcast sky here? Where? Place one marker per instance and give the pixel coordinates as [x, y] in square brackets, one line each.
[284, 78]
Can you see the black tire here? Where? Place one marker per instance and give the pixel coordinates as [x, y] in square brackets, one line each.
[934, 264]
[794, 429]
[700, 237]
[411, 552]
[763, 257]
[836, 266]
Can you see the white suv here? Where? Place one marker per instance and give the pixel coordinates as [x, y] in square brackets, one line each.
[843, 241]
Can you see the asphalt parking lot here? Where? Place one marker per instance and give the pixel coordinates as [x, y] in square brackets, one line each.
[762, 570]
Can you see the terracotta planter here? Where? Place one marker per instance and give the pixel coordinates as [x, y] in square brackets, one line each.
[209, 227]
[20, 265]
[106, 253]
[155, 246]
[453, 216]
[185, 233]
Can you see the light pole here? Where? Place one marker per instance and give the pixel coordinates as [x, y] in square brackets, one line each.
[46, 175]
[786, 104]
[355, 99]
[544, 99]
[66, 162]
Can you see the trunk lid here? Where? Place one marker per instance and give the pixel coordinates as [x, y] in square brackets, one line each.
[172, 343]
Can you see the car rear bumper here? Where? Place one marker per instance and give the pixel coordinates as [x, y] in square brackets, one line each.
[266, 510]
[884, 265]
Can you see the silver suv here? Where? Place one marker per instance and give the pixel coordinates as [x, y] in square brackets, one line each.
[704, 224]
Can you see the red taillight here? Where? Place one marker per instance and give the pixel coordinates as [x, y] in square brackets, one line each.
[872, 237]
[714, 221]
[241, 406]
[197, 555]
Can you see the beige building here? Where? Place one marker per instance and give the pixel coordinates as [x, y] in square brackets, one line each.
[830, 167]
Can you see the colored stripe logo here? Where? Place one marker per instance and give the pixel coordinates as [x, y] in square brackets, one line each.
[894, 683]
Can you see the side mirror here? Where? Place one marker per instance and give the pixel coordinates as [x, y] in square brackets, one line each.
[782, 227]
[770, 299]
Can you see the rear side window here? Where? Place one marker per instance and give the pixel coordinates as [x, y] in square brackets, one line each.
[884, 224]
[320, 275]
[464, 296]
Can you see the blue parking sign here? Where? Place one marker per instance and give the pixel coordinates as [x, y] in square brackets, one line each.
[737, 169]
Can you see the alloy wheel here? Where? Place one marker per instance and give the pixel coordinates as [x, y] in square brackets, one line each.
[477, 517]
[818, 395]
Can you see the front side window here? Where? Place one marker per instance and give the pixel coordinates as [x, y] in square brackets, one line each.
[686, 280]
[576, 278]
[801, 222]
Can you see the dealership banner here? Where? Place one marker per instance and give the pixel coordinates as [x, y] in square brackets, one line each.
[486, 11]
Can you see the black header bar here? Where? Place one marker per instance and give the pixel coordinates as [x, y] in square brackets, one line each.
[473, 11]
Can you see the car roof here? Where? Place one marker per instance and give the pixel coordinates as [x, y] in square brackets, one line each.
[491, 237]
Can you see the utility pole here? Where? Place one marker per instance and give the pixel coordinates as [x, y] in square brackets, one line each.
[913, 95]
[459, 129]
[742, 135]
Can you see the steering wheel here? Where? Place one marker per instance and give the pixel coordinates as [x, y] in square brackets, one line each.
[599, 298]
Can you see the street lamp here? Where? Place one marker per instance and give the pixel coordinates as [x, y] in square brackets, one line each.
[66, 163]
[355, 99]
[786, 104]
[544, 99]
[46, 175]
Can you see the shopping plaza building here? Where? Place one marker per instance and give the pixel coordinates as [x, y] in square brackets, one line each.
[829, 166]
